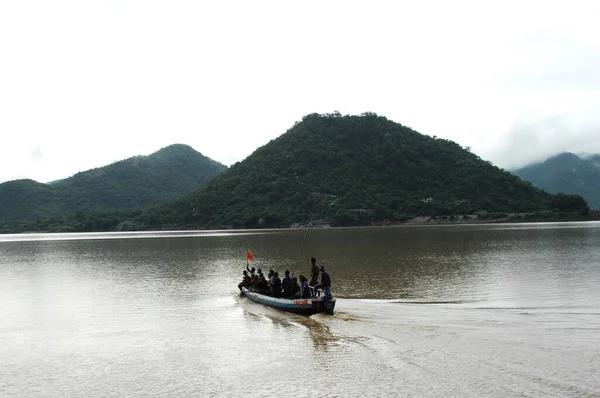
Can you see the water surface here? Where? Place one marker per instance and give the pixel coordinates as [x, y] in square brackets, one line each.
[501, 310]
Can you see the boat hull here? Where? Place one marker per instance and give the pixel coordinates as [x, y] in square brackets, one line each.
[298, 306]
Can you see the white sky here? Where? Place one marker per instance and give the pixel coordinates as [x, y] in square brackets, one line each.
[87, 83]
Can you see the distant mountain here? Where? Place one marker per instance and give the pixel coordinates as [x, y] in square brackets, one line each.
[595, 159]
[131, 183]
[567, 173]
[350, 170]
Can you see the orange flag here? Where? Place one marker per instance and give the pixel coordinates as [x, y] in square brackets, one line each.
[249, 255]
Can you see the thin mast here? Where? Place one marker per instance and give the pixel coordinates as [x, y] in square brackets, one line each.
[303, 240]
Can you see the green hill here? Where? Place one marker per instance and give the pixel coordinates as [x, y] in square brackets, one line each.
[567, 173]
[131, 183]
[351, 170]
[27, 199]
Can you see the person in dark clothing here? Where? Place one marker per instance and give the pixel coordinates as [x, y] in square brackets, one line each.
[246, 281]
[276, 285]
[295, 287]
[305, 291]
[252, 275]
[288, 285]
[270, 278]
[325, 283]
[261, 283]
[314, 272]
[255, 279]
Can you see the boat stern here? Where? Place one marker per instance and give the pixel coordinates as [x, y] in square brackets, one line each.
[322, 304]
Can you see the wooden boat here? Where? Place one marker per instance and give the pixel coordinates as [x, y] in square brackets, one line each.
[309, 306]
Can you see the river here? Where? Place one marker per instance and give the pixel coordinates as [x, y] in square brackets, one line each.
[422, 311]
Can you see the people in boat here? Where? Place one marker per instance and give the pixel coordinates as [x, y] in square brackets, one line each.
[288, 285]
[246, 281]
[325, 284]
[251, 270]
[314, 272]
[305, 291]
[276, 285]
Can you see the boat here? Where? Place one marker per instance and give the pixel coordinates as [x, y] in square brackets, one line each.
[310, 306]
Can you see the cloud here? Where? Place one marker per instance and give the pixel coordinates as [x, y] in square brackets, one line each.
[37, 154]
[90, 83]
[530, 140]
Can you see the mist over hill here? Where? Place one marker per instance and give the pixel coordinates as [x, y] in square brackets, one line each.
[131, 183]
[567, 173]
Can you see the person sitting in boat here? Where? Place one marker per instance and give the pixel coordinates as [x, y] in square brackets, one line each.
[251, 275]
[261, 283]
[325, 284]
[295, 287]
[270, 279]
[288, 285]
[305, 291]
[246, 281]
[276, 285]
[314, 272]
[256, 279]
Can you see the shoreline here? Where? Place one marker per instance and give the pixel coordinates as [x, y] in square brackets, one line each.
[473, 219]
[501, 218]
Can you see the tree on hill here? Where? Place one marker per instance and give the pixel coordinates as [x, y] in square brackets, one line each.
[567, 203]
[349, 170]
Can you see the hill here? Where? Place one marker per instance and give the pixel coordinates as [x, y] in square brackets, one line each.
[27, 197]
[351, 170]
[131, 183]
[567, 173]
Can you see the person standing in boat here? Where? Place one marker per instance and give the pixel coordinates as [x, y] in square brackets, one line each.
[325, 283]
[314, 273]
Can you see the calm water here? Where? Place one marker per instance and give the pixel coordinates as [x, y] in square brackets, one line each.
[505, 310]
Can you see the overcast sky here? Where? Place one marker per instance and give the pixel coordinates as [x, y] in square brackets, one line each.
[87, 83]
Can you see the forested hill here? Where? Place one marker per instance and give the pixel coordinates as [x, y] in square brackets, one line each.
[349, 170]
[567, 173]
[131, 183]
